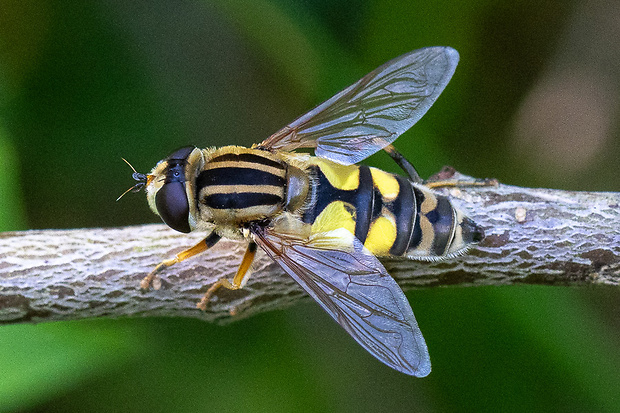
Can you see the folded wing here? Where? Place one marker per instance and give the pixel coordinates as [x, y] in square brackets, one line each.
[356, 290]
[374, 111]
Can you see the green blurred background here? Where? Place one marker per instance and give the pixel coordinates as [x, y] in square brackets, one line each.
[534, 102]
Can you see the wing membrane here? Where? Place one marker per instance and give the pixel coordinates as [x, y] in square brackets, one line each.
[356, 290]
[374, 111]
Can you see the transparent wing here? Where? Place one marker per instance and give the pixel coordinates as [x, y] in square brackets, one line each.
[356, 290]
[374, 111]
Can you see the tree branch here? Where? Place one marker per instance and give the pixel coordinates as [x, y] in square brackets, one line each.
[534, 236]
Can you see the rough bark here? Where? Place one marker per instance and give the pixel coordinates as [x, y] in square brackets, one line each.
[534, 236]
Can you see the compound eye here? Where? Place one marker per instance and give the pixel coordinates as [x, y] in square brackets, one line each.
[173, 207]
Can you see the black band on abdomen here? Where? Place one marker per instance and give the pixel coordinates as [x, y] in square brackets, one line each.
[405, 213]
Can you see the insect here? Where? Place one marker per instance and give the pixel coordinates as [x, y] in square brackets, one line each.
[322, 218]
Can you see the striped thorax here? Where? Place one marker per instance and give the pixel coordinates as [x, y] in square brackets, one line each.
[226, 188]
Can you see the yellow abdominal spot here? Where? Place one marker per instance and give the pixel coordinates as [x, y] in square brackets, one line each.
[344, 177]
[381, 236]
[386, 183]
[334, 216]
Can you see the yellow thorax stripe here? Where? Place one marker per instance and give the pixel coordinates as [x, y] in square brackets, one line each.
[243, 164]
[235, 189]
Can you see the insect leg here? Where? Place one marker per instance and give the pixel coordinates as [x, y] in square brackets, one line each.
[403, 163]
[202, 246]
[239, 280]
[456, 183]
[415, 177]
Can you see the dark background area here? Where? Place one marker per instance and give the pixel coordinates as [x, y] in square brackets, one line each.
[534, 102]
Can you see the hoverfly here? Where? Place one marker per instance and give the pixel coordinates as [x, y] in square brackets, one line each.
[323, 219]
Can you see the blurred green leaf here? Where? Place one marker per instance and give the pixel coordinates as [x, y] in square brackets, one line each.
[40, 362]
[572, 337]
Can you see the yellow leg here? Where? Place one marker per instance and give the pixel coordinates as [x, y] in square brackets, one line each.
[415, 177]
[202, 246]
[457, 183]
[239, 280]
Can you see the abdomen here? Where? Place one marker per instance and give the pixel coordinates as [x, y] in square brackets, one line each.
[391, 215]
